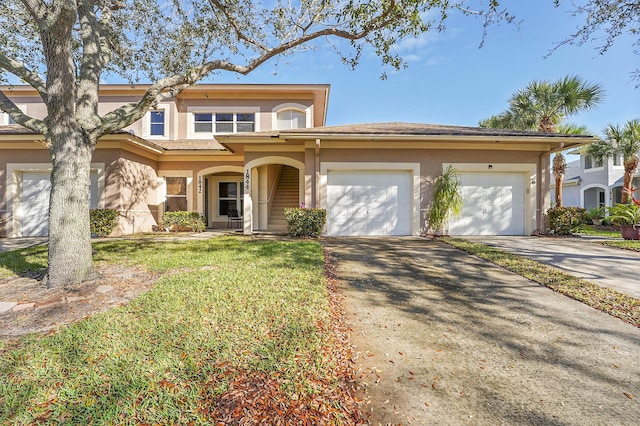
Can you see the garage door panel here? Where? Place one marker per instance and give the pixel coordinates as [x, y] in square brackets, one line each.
[34, 204]
[366, 203]
[493, 204]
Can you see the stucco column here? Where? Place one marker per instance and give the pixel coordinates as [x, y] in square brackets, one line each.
[248, 205]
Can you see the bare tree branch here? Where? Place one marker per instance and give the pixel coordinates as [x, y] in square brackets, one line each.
[21, 71]
[236, 27]
[37, 9]
[171, 86]
[21, 118]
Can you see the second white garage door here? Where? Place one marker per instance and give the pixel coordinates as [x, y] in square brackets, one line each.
[493, 204]
[361, 203]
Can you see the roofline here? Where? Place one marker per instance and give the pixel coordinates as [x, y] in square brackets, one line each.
[26, 89]
[129, 137]
[566, 141]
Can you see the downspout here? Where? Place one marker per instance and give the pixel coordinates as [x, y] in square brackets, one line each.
[317, 172]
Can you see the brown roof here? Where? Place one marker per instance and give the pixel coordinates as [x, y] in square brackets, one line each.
[190, 144]
[416, 129]
[16, 129]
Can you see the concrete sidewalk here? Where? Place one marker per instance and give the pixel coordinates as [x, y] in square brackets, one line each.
[8, 244]
[605, 266]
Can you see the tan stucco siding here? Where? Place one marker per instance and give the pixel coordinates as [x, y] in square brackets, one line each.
[130, 185]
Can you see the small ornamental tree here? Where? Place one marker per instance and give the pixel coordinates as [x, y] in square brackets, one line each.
[447, 199]
[65, 48]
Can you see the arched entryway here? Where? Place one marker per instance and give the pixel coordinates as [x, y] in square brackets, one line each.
[595, 196]
[220, 192]
[270, 185]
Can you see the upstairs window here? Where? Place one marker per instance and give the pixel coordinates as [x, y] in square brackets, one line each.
[291, 119]
[617, 159]
[592, 163]
[223, 122]
[156, 123]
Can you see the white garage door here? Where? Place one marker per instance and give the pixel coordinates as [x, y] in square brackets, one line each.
[34, 202]
[364, 203]
[493, 204]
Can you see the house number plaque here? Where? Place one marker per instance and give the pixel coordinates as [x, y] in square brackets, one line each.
[247, 177]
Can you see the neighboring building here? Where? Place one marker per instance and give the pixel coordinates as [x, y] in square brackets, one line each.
[591, 183]
[260, 148]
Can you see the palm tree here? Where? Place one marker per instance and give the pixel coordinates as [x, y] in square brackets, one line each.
[620, 140]
[542, 106]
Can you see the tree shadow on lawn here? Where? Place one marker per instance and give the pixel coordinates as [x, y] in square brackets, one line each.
[28, 262]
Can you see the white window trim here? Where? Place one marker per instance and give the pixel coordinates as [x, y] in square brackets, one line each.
[192, 110]
[618, 166]
[14, 172]
[146, 123]
[591, 169]
[308, 110]
[215, 180]
[4, 117]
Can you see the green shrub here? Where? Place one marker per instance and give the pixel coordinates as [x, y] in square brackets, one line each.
[103, 221]
[596, 213]
[624, 214]
[183, 220]
[302, 222]
[564, 220]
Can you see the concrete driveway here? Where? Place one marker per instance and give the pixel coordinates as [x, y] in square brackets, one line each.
[581, 257]
[442, 337]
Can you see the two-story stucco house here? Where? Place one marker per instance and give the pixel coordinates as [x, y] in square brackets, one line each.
[260, 148]
[593, 183]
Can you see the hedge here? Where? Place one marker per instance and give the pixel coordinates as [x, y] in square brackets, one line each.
[183, 220]
[303, 222]
[564, 220]
[103, 221]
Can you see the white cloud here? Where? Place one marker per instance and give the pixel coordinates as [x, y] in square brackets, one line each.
[414, 44]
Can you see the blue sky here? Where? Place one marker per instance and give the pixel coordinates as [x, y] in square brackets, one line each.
[451, 81]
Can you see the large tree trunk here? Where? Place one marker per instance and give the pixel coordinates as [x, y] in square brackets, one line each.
[70, 255]
[71, 149]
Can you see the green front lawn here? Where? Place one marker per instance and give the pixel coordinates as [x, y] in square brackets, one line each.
[234, 329]
[633, 245]
[592, 230]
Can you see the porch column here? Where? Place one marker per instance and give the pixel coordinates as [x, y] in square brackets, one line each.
[248, 206]
[263, 197]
